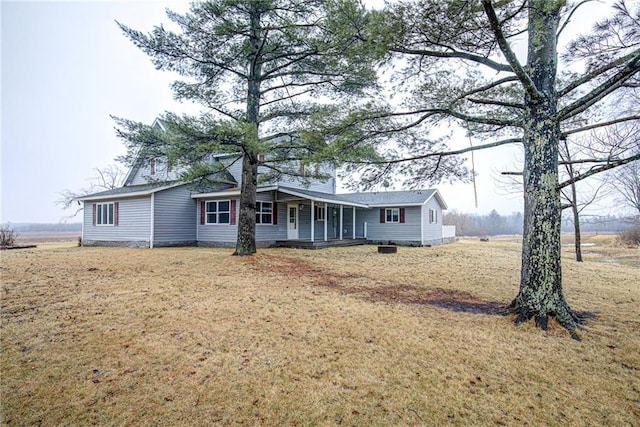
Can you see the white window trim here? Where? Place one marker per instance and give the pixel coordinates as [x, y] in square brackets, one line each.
[113, 215]
[217, 212]
[320, 213]
[386, 215]
[260, 213]
[433, 216]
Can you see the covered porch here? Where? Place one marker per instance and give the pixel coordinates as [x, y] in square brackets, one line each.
[315, 220]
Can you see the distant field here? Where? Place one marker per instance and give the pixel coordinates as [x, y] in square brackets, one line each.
[31, 237]
[341, 336]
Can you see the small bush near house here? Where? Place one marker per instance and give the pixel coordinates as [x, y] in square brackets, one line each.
[7, 236]
[630, 236]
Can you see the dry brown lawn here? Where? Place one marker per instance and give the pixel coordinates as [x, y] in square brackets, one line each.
[342, 336]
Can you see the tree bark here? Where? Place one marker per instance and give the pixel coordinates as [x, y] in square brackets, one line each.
[576, 224]
[540, 294]
[246, 239]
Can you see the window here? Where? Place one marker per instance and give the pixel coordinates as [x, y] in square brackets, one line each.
[433, 216]
[152, 166]
[393, 215]
[264, 212]
[319, 215]
[218, 212]
[105, 213]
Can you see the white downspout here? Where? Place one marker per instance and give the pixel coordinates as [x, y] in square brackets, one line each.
[151, 231]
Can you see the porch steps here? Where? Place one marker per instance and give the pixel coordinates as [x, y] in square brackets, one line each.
[318, 244]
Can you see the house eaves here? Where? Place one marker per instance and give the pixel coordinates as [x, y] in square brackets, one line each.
[317, 196]
[303, 194]
[230, 192]
[362, 200]
[129, 191]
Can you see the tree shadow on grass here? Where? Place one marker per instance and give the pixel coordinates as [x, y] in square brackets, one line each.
[458, 301]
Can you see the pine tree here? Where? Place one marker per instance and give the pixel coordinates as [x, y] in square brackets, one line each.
[261, 69]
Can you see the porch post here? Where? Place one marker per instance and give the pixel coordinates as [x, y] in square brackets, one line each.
[326, 219]
[313, 221]
[354, 222]
[341, 226]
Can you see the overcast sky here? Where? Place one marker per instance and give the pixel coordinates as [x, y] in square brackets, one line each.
[66, 67]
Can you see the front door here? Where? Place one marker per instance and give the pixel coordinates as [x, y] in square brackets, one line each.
[292, 222]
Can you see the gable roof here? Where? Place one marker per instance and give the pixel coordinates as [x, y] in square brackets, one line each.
[148, 189]
[396, 198]
[131, 191]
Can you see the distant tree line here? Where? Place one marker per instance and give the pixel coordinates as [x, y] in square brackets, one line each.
[43, 227]
[494, 224]
[600, 224]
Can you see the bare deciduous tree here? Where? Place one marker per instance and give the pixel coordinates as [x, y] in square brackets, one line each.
[107, 178]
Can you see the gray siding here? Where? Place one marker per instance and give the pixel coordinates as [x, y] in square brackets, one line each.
[134, 222]
[333, 223]
[408, 232]
[432, 233]
[289, 197]
[327, 186]
[347, 226]
[217, 234]
[142, 175]
[174, 217]
[226, 235]
[234, 167]
[273, 232]
[304, 225]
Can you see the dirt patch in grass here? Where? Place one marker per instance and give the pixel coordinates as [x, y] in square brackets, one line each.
[450, 299]
[344, 336]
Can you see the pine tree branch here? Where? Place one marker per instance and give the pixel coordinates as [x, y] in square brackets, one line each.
[566, 22]
[489, 86]
[595, 73]
[290, 85]
[510, 56]
[599, 169]
[457, 55]
[598, 125]
[441, 153]
[496, 102]
[610, 85]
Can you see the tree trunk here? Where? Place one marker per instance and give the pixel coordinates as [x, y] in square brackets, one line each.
[540, 294]
[576, 224]
[246, 240]
[573, 200]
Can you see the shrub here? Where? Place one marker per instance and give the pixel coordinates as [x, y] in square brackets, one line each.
[630, 236]
[7, 236]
